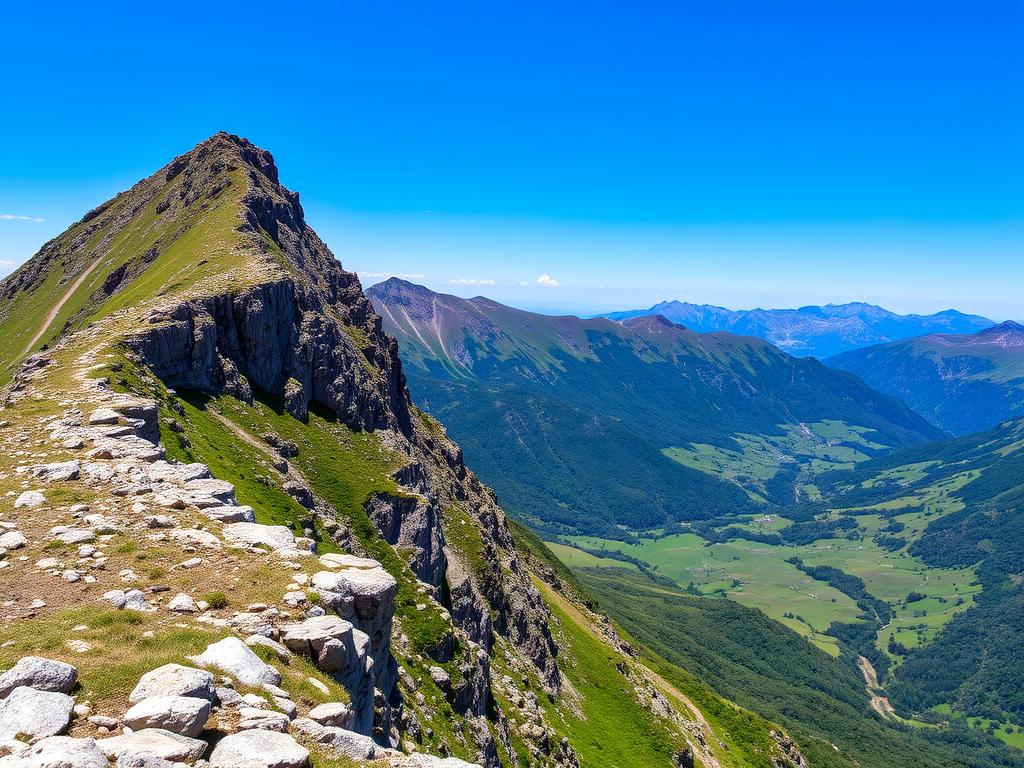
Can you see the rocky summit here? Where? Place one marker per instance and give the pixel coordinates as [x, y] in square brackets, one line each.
[229, 538]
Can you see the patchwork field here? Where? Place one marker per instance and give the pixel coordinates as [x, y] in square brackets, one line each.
[807, 449]
[757, 575]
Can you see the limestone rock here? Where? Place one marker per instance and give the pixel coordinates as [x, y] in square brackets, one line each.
[36, 714]
[41, 674]
[259, 749]
[338, 741]
[235, 658]
[64, 752]
[333, 713]
[29, 499]
[169, 746]
[182, 603]
[326, 639]
[275, 537]
[56, 472]
[13, 540]
[103, 416]
[184, 715]
[174, 680]
[254, 719]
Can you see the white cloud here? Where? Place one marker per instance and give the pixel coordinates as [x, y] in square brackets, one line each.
[7, 264]
[469, 281]
[547, 281]
[14, 217]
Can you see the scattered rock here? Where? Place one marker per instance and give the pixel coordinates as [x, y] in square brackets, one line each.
[64, 752]
[12, 540]
[29, 499]
[184, 715]
[182, 603]
[234, 657]
[169, 746]
[259, 749]
[174, 680]
[253, 719]
[39, 673]
[338, 741]
[36, 714]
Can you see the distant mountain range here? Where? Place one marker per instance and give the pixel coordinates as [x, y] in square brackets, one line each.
[814, 331]
[590, 424]
[961, 383]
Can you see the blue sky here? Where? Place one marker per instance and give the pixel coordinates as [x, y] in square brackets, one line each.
[739, 153]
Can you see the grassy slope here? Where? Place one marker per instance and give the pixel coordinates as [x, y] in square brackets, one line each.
[744, 736]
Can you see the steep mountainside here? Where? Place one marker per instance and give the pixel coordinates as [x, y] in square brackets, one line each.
[210, 459]
[961, 383]
[575, 421]
[815, 331]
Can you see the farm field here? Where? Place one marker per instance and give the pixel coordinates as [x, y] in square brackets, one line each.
[757, 575]
[756, 460]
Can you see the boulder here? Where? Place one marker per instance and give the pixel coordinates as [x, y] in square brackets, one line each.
[182, 603]
[29, 499]
[184, 715]
[143, 760]
[64, 752]
[326, 639]
[35, 714]
[41, 674]
[231, 514]
[13, 540]
[58, 471]
[274, 537]
[169, 746]
[333, 713]
[259, 749]
[338, 742]
[234, 657]
[103, 416]
[174, 680]
[254, 719]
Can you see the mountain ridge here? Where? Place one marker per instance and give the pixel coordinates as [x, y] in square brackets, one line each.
[962, 383]
[818, 331]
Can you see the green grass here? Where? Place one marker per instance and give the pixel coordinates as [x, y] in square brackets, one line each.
[809, 448]
[757, 575]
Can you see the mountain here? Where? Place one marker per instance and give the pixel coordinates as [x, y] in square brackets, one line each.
[589, 425]
[815, 331]
[960, 383]
[209, 459]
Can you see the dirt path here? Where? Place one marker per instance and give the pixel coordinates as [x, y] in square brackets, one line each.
[880, 704]
[60, 305]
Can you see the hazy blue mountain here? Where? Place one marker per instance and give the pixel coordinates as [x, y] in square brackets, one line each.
[812, 330]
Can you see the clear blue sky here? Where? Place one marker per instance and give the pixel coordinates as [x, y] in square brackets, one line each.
[741, 153]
